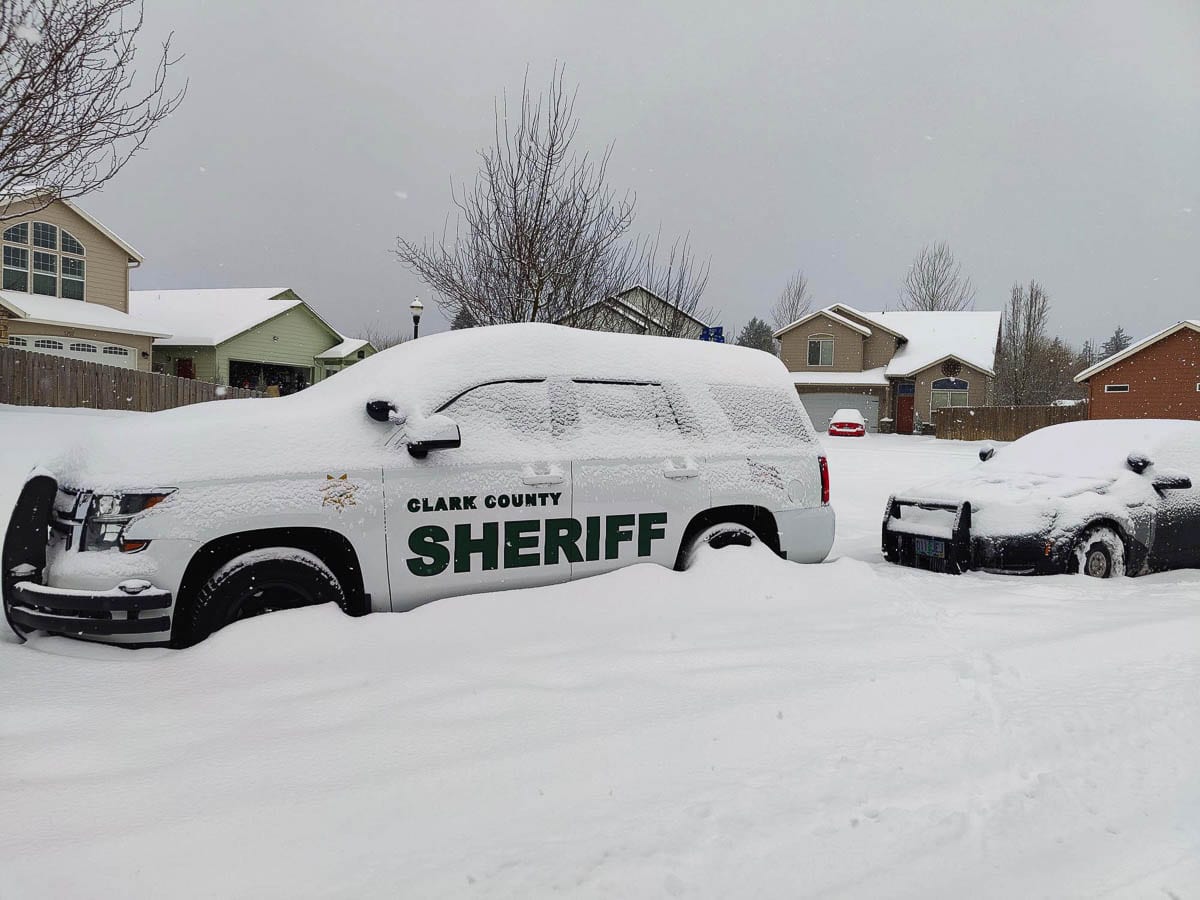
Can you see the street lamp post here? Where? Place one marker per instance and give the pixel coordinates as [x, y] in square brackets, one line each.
[416, 306]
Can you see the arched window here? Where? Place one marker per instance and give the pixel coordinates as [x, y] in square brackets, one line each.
[47, 344]
[54, 274]
[948, 392]
[820, 349]
[83, 348]
[14, 341]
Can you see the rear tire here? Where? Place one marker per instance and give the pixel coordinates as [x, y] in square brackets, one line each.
[726, 534]
[1100, 553]
[255, 583]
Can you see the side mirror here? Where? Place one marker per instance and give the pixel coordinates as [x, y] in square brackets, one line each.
[436, 432]
[380, 410]
[986, 453]
[1171, 481]
[1138, 462]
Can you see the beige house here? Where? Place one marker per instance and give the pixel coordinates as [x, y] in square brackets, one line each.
[637, 310]
[258, 338]
[894, 367]
[66, 286]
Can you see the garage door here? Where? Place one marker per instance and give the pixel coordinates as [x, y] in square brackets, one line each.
[821, 408]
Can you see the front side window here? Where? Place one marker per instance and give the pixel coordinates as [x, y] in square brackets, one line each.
[949, 392]
[820, 350]
[16, 269]
[45, 273]
[493, 416]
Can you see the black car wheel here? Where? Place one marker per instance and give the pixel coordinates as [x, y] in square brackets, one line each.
[1101, 554]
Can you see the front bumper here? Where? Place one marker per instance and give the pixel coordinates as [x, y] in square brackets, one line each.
[38, 607]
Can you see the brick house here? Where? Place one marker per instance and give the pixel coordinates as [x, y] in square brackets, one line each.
[1156, 378]
[893, 367]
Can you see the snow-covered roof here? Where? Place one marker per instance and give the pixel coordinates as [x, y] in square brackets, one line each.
[1193, 324]
[969, 336]
[874, 377]
[345, 348]
[207, 317]
[829, 313]
[39, 310]
[28, 192]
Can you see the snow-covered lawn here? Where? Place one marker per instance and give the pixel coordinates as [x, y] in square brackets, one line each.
[748, 728]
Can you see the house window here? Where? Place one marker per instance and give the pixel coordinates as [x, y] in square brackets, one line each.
[1116, 389]
[362, 354]
[14, 341]
[46, 344]
[16, 268]
[72, 276]
[45, 273]
[84, 348]
[116, 351]
[47, 267]
[820, 350]
[948, 392]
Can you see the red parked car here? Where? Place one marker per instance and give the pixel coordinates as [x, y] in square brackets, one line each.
[847, 423]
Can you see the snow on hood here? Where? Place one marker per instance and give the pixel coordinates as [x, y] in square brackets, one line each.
[326, 424]
[1061, 476]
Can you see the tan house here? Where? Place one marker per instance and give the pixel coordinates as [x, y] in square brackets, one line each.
[637, 310]
[894, 367]
[259, 338]
[66, 286]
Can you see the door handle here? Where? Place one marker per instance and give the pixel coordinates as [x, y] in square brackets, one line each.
[689, 469]
[551, 475]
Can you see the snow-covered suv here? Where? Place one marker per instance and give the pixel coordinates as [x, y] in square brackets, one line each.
[483, 459]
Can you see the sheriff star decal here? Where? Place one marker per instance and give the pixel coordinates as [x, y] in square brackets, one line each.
[339, 492]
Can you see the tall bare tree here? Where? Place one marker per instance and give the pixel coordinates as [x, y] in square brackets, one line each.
[1024, 365]
[72, 109]
[541, 236]
[935, 282]
[793, 303]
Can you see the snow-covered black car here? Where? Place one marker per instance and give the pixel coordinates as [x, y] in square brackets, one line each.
[1101, 497]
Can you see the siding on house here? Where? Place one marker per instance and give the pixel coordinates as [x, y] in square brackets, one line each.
[301, 336]
[847, 346]
[1162, 378]
[106, 265]
[204, 360]
[979, 388]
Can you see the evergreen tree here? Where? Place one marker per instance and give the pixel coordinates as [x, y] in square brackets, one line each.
[757, 334]
[1115, 344]
[463, 319]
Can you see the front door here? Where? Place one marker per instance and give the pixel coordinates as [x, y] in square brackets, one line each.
[490, 515]
[636, 485]
[185, 368]
[905, 397]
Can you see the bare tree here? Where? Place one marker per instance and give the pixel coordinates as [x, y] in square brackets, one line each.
[71, 113]
[541, 237]
[1025, 365]
[793, 303]
[935, 282]
[383, 336]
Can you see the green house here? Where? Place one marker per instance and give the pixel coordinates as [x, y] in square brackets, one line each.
[265, 339]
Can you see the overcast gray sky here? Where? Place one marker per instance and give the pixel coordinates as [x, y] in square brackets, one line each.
[1057, 141]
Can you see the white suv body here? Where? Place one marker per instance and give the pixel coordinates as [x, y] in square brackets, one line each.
[479, 460]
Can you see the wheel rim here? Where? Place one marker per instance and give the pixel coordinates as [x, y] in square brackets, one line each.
[1096, 564]
[268, 597]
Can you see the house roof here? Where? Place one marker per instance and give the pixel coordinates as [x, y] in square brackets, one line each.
[969, 336]
[873, 377]
[25, 193]
[630, 312]
[38, 310]
[828, 312]
[1193, 324]
[211, 316]
[345, 348]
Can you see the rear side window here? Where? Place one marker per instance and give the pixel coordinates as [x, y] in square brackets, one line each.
[612, 414]
[502, 412]
[761, 417]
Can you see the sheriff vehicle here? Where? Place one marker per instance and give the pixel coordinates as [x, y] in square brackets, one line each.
[483, 459]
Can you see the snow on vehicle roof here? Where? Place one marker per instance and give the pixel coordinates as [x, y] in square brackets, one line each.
[326, 425]
[1093, 446]
[848, 415]
[36, 309]
[210, 316]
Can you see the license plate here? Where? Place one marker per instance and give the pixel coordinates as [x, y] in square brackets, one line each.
[929, 547]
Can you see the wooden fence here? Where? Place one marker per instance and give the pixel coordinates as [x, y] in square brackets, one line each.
[1000, 423]
[28, 378]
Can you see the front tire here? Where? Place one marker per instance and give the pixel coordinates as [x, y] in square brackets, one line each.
[1100, 553]
[255, 583]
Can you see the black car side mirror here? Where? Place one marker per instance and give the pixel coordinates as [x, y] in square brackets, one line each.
[986, 453]
[436, 432]
[380, 410]
[1138, 462]
[1171, 482]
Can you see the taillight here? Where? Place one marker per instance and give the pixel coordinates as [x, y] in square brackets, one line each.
[824, 479]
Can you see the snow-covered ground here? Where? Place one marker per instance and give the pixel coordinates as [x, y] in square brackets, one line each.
[748, 728]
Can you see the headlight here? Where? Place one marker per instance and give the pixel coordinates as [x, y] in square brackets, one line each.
[109, 516]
